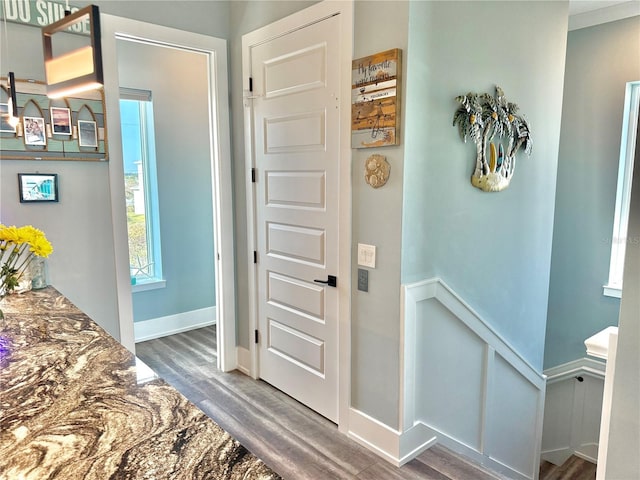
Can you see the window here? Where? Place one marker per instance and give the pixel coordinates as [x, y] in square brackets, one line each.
[623, 195]
[141, 188]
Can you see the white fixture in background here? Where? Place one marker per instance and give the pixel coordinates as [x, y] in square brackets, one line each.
[598, 344]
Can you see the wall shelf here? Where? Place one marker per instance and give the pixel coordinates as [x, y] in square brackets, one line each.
[33, 102]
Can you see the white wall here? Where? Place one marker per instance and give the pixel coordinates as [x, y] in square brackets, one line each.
[81, 266]
[377, 220]
[623, 460]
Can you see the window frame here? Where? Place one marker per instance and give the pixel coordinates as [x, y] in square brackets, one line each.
[150, 183]
[629, 137]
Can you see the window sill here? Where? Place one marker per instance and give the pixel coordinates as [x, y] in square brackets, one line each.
[148, 285]
[611, 291]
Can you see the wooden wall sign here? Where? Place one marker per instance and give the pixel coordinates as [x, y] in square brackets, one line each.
[375, 100]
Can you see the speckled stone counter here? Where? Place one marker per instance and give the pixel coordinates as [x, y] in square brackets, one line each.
[75, 404]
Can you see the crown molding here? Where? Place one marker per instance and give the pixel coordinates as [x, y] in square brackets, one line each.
[604, 15]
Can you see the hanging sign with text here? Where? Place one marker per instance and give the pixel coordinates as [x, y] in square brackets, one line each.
[40, 13]
[375, 100]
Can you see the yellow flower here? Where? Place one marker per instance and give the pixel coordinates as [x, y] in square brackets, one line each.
[41, 246]
[14, 255]
[9, 234]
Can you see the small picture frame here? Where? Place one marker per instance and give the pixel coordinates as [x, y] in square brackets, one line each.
[5, 126]
[38, 187]
[61, 121]
[34, 131]
[87, 133]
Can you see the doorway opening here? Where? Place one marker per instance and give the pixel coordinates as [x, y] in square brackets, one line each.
[175, 167]
[170, 220]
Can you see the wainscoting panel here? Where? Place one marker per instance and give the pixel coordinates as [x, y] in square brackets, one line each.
[466, 385]
[573, 409]
[451, 401]
[558, 417]
[513, 414]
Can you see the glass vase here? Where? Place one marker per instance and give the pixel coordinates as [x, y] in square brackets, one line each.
[38, 273]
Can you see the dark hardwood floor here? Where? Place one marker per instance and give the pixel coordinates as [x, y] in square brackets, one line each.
[292, 439]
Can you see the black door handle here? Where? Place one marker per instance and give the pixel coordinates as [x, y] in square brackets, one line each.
[331, 281]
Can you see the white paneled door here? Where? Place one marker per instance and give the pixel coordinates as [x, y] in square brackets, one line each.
[297, 149]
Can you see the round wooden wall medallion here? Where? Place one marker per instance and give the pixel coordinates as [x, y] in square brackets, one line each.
[376, 170]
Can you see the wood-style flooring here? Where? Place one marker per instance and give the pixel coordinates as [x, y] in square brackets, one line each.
[290, 438]
[573, 469]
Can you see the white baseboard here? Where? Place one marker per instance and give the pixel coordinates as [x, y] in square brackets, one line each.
[375, 435]
[557, 457]
[399, 448]
[588, 452]
[172, 324]
[392, 445]
[244, 360]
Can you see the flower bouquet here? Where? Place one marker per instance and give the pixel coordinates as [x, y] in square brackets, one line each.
[18, 246]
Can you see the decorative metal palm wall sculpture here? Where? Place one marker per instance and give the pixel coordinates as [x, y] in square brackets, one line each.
[485, 118]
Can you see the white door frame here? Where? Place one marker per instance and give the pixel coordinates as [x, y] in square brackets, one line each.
[114, 28]
[288, 24]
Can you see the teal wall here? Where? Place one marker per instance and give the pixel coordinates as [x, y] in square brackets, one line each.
[600, 61]
[493, 249]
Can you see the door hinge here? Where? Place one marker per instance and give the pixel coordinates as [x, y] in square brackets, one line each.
[251, 84]
[255, 256]
[253, 175]
[256, 335]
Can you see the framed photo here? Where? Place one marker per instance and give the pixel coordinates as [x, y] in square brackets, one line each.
[5, 126]
[87, 133]
[38, 187]
[61, 121]
[34, 133]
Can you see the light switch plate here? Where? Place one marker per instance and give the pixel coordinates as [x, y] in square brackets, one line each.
[366, 255]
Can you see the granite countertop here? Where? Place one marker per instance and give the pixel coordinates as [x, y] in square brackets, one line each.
[75, 404]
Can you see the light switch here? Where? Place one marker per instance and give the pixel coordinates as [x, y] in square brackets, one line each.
[366, 255]
[363, 280]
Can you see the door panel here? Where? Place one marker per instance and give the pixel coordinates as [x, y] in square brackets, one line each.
[297, 347]
[297, 71]
[297, 244]
[296, 294]
[296, 131]
[295, 189]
